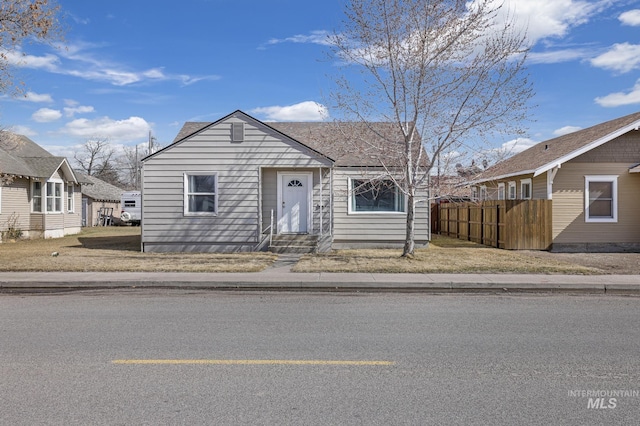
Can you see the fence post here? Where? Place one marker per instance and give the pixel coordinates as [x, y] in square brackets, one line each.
[497, 225]
[481, 223]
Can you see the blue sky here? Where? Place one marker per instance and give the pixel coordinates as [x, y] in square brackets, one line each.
[130, 67]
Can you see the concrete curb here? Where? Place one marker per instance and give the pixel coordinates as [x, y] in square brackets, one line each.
[277, 280]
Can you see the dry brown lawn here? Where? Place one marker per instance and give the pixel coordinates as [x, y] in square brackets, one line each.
[110, 249]
[444, 255]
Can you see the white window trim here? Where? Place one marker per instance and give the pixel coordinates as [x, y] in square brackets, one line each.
[483, 193]
[71, 197]
[614, 193]
[512, 184]
[185, 191]
[350, 206]
[33, 183]
[501, 191]
[524, 182]
[44, 195]
[474, 193]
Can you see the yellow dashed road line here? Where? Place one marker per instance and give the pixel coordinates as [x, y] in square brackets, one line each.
[246, 362]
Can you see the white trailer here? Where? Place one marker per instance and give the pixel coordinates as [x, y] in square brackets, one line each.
[131, 203]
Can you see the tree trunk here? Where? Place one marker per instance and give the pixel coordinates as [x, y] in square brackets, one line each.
[409, 243]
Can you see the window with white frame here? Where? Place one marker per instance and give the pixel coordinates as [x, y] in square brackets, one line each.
[525, 189]
[474, 193]
[70, 203]
[512, 190]
[53, 195]
[483, 193]
[200, 193]
[375, 196]
[36, 197]
[501, 191]
[601, 198]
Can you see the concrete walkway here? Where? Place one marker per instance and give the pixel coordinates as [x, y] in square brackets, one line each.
[280, 277]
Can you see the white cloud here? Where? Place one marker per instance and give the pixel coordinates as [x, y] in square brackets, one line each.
[316, 37]
[517, 145]
[46, 115]
[630, 17]
[558, 56]
[115, 130]
[620, 98]
[17, 58]
[36, 97]
[304, 111]
[542, 19]
[79, 109]
[78, 60]
[23, 130]
[566, 130]
[622, 58]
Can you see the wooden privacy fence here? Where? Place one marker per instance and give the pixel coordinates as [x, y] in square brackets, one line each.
[507, 224]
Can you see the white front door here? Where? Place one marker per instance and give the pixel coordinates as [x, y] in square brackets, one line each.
[295, 190]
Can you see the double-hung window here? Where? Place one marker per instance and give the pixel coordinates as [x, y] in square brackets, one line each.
[70, 204]
[54, 194]
[501, 191]
[601, 199]
[375, 196]
[525, 189]
[36, 197]
[200, 194]
[512, 190]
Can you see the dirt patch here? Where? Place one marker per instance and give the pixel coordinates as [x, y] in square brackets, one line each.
[607, 263]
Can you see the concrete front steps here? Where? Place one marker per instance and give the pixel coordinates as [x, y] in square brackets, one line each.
[294, 243]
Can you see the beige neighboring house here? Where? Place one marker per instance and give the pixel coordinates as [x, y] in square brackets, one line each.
[217, 185]
[99, 196]
[592, 177]
[42, 198]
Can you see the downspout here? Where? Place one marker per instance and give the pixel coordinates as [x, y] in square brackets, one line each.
[321, 200]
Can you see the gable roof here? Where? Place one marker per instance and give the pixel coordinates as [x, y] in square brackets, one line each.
[553, 153]
[98, 189]
[20, 156]
[346, 144]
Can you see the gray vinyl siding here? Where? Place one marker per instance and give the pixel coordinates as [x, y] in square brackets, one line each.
[238, 165]
[373, 228]
[320, 196]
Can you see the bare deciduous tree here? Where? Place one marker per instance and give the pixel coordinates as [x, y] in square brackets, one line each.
[24, 20]
[95, 156]
[130, 165]
[446, 73]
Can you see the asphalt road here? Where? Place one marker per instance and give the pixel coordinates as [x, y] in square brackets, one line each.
[170, 357]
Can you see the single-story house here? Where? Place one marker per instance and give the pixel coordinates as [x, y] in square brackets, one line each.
[39, 193]
[99, 197]
[592, 177]
[218, 185]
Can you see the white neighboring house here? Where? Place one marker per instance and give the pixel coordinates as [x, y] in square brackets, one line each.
[216, 187]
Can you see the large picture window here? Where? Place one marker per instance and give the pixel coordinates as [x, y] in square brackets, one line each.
[375, 196]
[201, 193]
[601, 193]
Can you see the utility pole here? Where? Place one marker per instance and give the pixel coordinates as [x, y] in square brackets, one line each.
[151, 139]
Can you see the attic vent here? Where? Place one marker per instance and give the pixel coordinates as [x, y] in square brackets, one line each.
[237, 132]
[546, 147]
